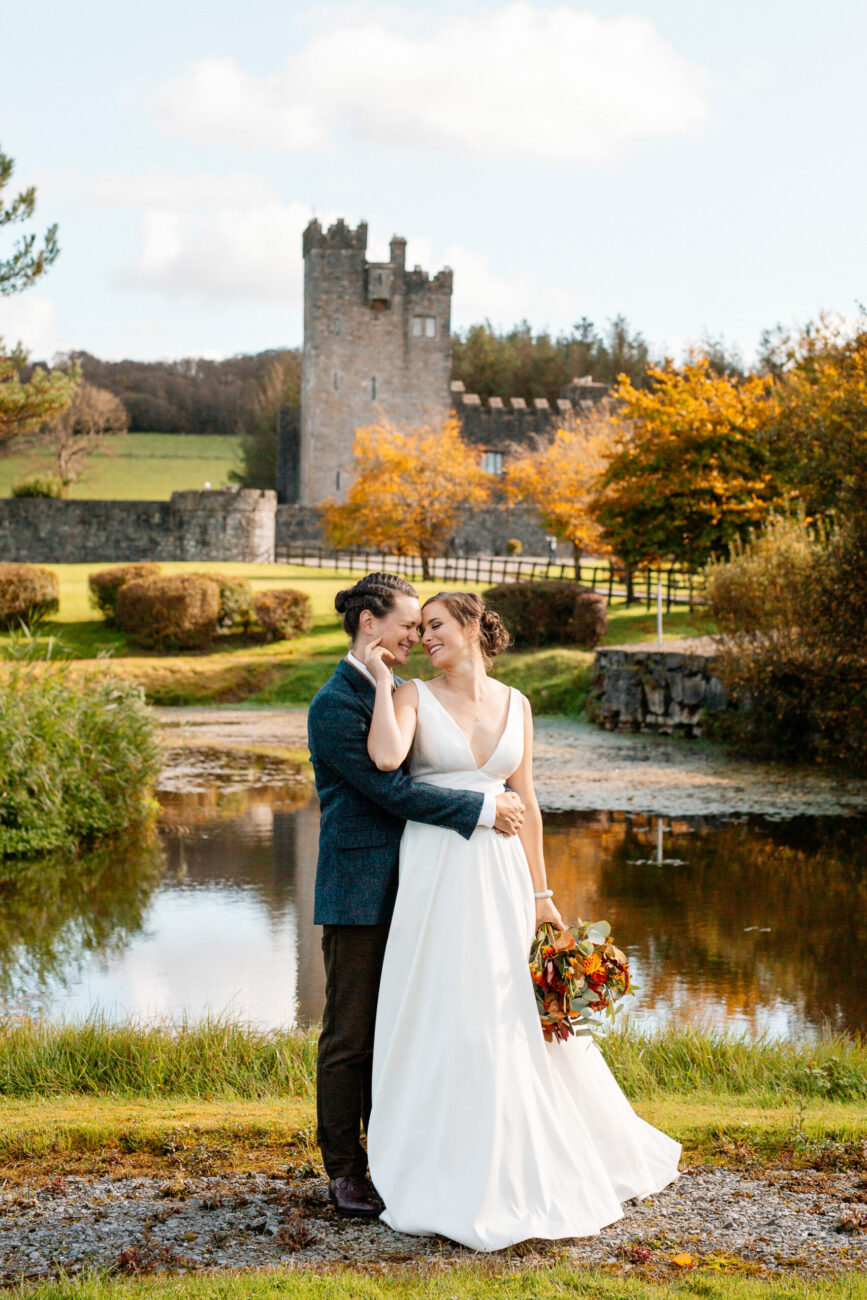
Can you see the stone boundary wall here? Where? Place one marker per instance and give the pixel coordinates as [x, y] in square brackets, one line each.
[665, 691]
[220, 525]
[480, 531]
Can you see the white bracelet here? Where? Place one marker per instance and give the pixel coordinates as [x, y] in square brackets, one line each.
[544, 893]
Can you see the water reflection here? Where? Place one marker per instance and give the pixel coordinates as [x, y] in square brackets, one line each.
[756, 924]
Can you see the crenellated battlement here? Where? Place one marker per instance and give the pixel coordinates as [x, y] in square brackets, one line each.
[498, 425]
[338, 237]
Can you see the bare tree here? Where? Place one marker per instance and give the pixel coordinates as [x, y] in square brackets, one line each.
[76, 434]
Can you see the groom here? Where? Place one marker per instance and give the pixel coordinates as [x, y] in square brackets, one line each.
[363, 816]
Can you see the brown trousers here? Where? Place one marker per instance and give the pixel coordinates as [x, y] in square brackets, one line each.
[353, 965]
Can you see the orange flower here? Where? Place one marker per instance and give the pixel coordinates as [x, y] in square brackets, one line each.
[592, 963]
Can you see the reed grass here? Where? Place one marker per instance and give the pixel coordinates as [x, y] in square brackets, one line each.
[222, 1058]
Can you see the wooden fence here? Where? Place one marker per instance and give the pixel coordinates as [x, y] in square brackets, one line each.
[679, 586]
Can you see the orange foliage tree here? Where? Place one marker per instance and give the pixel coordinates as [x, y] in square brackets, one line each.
[700, 468]
[822, 389]
[563, 480]
[411, 488]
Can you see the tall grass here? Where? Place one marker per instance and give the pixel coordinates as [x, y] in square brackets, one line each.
[78, 759]
[219, 1058]
[209, 1058]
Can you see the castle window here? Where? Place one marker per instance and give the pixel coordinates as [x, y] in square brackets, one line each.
[424, 327]
[336, 324]
[373, 388]
[492, 462]
[336, 383]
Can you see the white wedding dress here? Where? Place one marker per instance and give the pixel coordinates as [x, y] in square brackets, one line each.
[481, 1131]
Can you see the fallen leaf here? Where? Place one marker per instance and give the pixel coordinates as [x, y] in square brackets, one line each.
[683, 1261]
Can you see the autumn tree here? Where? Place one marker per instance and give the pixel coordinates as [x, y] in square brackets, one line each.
[822, 393]
[562, 480]
[80, 430]
[410, 490]
[26, 403]
[700, 469]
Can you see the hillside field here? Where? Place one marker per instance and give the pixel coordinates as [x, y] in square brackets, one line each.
[138, 466]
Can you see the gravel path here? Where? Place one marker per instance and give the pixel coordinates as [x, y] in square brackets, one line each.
[783, 1221]
[581, 768]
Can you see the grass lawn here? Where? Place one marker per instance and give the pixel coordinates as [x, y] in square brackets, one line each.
[290, 672]
[484, 1281]
[138, 466]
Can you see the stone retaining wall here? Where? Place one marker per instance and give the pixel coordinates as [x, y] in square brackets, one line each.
[665, 691]
[218, 525]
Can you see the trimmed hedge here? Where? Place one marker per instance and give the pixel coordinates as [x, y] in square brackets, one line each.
[180, 611]
[283, 613]
[236, 602]
[105, 584]
[550, 613]
[38, 485]
[26, 592]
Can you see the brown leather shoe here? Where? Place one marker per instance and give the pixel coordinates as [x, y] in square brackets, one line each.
[355, 1198]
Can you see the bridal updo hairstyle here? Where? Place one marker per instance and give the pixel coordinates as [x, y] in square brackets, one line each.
[470, 609]
[375, 592]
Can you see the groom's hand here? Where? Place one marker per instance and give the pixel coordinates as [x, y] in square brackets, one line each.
[378, 660]
[510, 813]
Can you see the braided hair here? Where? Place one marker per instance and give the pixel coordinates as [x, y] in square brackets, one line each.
[375, 592]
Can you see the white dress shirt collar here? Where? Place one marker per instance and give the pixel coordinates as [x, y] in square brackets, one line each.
[362, 668]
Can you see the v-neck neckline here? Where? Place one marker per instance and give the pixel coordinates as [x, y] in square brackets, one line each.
[477, 766]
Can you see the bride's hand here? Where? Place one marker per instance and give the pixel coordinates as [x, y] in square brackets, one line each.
[547, 912]
[378, 660]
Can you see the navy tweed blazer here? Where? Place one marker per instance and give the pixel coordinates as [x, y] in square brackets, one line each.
[364, 810]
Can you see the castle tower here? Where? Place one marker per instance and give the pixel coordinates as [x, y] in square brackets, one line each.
[377, 345]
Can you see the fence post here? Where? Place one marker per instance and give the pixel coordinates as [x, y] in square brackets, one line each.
[668, 592]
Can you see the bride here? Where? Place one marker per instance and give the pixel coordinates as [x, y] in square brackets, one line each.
[480, 1130]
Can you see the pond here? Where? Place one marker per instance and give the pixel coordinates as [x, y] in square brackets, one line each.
[756, 925]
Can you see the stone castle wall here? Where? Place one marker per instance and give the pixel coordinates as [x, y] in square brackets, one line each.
[219, 525]
[500, 427]
[377, 345]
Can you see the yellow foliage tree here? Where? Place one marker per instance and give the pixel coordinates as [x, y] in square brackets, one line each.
[699, 469]
[410, 490]
[562, 480]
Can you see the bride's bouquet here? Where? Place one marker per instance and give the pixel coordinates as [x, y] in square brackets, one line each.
[576, 972]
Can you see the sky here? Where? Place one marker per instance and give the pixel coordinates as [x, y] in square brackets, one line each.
[697, 167]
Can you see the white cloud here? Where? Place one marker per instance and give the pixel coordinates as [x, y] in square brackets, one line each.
[254, 254]
[233, 253]
[179, 190]
[555, 84]
[30, 319]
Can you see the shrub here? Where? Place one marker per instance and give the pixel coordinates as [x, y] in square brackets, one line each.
[514, 546]
[38, 485]
[236, 602]
[550, 613]
[79, 759]
[26, 593]
[176, 612]
[283, 613]
[790, 603]
[105, 584]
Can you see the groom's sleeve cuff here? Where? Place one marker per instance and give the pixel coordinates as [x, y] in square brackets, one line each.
[488, 815]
